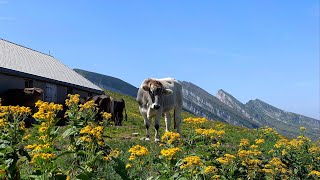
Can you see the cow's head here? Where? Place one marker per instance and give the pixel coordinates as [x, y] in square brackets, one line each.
[156, 91]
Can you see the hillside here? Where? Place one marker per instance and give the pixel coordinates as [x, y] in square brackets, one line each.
[109, 82]
[223, 107]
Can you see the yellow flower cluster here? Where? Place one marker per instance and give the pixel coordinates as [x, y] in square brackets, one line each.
[210, 169]
[3, 122]
[73, 100]
[114, 153]
[191, 161]
[248, 158]
[196, 120]
[26, 137]
[302, 128]
[275, 166]
[314, 150]
[246, 153]
[171, 137]
[47, 111]
[169, 153]
[314, 173]
[293, 144]
[87, 106]
[95, 131]
[38, 147]
[42, 156]
[209, 132]
[138, 151]
[259, 141]
[281, 143]
[106, 115]
[268, 130]
[244, 143]
[16, 111]
[227, 159]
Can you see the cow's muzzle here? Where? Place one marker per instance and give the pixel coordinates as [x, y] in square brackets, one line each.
[156, 107]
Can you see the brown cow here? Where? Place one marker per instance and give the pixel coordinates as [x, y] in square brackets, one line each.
[104, 103]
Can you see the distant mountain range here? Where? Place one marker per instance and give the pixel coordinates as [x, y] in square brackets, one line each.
[223, 107]
[109, 83]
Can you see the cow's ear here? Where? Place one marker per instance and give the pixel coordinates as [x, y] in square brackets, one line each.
[145, 87]
[167, 92]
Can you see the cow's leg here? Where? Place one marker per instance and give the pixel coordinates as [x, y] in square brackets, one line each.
[168, 121]
[147, 125]
[177, 119]
[157, 126]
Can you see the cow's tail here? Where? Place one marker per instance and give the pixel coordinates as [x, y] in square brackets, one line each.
[174, 119]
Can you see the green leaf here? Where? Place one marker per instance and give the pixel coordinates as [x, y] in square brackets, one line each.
[68, 132]
[120, 169]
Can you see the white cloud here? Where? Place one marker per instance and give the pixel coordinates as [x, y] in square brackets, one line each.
[7, 18]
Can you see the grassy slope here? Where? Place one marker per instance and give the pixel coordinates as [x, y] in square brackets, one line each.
[122, 136]
[123, 139]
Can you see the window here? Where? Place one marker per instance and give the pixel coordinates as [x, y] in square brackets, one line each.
[28, 83]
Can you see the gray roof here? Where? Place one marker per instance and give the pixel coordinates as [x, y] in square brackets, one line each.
[25, 61]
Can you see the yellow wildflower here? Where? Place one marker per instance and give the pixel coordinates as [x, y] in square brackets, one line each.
[210, 169]
[138, 151]
[3, 123]
[197, 120]
[26, 137]
[216, 177]
[314, 150]
[254, 146]
[259, 141]
[31, 146]
[314, 173]
[114, 153]
[223, 160]
[87, 106]
[171, 137]
[73, 99]
[128, 166]
[169, 153]
[191, 161]
[106, 115]
[302, 128]
[244, 143]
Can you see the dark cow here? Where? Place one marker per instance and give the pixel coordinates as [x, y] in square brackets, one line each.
[118, 107]
[156, 97]
[104, 103]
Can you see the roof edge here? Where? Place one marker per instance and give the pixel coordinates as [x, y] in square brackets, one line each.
[27, 47]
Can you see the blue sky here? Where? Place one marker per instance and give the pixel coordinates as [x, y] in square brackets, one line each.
[252, 49]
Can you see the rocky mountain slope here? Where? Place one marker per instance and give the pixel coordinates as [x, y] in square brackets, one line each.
[223, 107]
[201, 103]
[286, 123]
